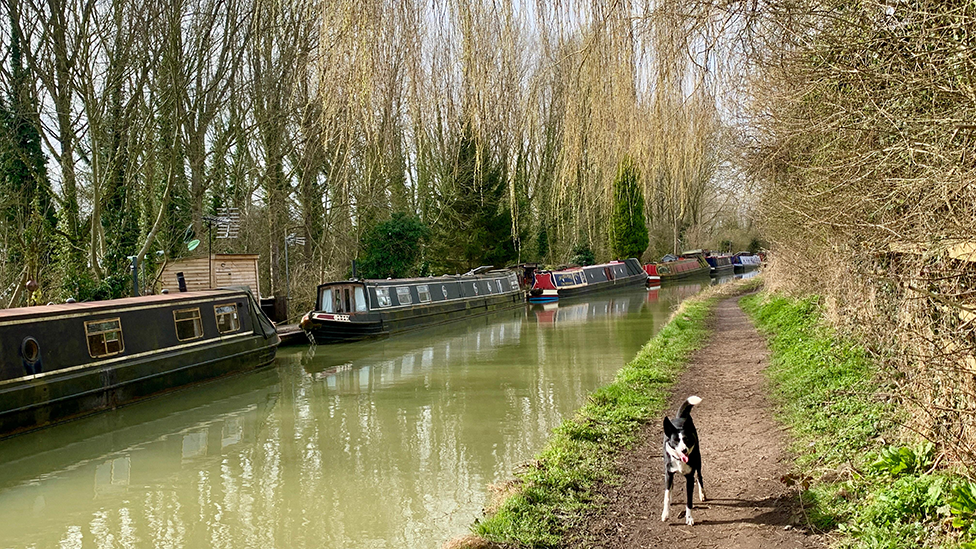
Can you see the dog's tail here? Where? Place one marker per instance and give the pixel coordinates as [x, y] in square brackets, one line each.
[687, 405]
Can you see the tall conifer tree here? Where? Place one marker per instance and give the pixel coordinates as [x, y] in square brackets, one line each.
[628, 230]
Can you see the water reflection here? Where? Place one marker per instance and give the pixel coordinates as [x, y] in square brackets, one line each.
[388, 443]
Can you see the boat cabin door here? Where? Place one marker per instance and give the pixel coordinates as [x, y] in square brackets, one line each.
[345, 299]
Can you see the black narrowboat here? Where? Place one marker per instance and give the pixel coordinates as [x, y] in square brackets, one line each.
[59, 362]
[553, 285]
[359, 309]
[719, 264]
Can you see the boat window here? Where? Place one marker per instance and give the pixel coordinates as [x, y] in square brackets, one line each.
[488, 285]
[424, 292]
[104, 337]
[383, 297]
[327, 305]
[360, 300]
[499, 284]
[579, 278]
[403, 295]
[348, 301]
[227, 319]
[444, 290]
[189, 325]
[475, 286]
[564, 279]
[30, 350]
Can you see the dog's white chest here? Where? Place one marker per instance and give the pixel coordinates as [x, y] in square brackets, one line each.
[678, 466]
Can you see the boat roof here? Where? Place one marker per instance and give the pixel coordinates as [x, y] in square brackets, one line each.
[578, 268]
[94, 307]
[420, 280]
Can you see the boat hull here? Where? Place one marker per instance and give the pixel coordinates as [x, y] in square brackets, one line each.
[61, 396]
[668, 272]
[721, 270]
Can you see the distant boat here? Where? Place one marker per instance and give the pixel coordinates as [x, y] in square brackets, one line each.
[553, 285]
[357, 309]
[653, 279]
[59, 362]
[742, 262]
[719, 264]
[688, 265]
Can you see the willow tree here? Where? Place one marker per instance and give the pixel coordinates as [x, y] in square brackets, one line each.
[628, 230]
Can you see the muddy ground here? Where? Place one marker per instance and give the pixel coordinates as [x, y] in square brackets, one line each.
[744, 457]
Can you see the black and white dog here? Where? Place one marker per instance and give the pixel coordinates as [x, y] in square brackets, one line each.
[682, 455]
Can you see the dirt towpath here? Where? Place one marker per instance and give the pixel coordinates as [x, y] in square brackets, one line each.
[743, 459]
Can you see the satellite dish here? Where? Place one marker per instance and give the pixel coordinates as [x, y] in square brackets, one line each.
[192, 245]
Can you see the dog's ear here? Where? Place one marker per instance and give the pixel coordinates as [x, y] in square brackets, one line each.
[669, 428]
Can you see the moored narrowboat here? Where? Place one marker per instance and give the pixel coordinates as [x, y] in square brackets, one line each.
[358, 309]
[59, 362]
[742, 262]
[553, 285]
[688, 265]
[719, 264]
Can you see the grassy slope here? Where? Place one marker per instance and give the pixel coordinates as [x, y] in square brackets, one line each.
[854, 483]
[556, 488]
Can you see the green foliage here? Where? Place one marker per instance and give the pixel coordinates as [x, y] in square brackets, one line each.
[903, 512]
[820, 382]
[119, 215]
[26, 207]
[756, 246]
[393, 248]
[824, 386]
[558, 486]
[962, 506]
[475, 224]
[628, 230]
[895, 460]
[542, 243]
[582, 255]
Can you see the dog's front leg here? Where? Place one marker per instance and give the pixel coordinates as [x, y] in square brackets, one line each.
[701, 487]
[668, 481]
[689, 498]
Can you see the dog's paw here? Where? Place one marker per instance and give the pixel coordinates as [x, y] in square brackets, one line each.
[689, 520]
[665, 515]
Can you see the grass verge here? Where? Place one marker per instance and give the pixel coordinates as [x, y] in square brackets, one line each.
[554, 491]
[854, 482]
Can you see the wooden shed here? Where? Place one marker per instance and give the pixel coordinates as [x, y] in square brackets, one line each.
[215, 271]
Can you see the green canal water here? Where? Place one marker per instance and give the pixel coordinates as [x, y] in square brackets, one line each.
[379, 444]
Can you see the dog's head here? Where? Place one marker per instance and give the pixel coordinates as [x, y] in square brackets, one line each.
[679, 441]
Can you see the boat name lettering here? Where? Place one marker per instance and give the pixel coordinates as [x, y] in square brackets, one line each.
[337, 318]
